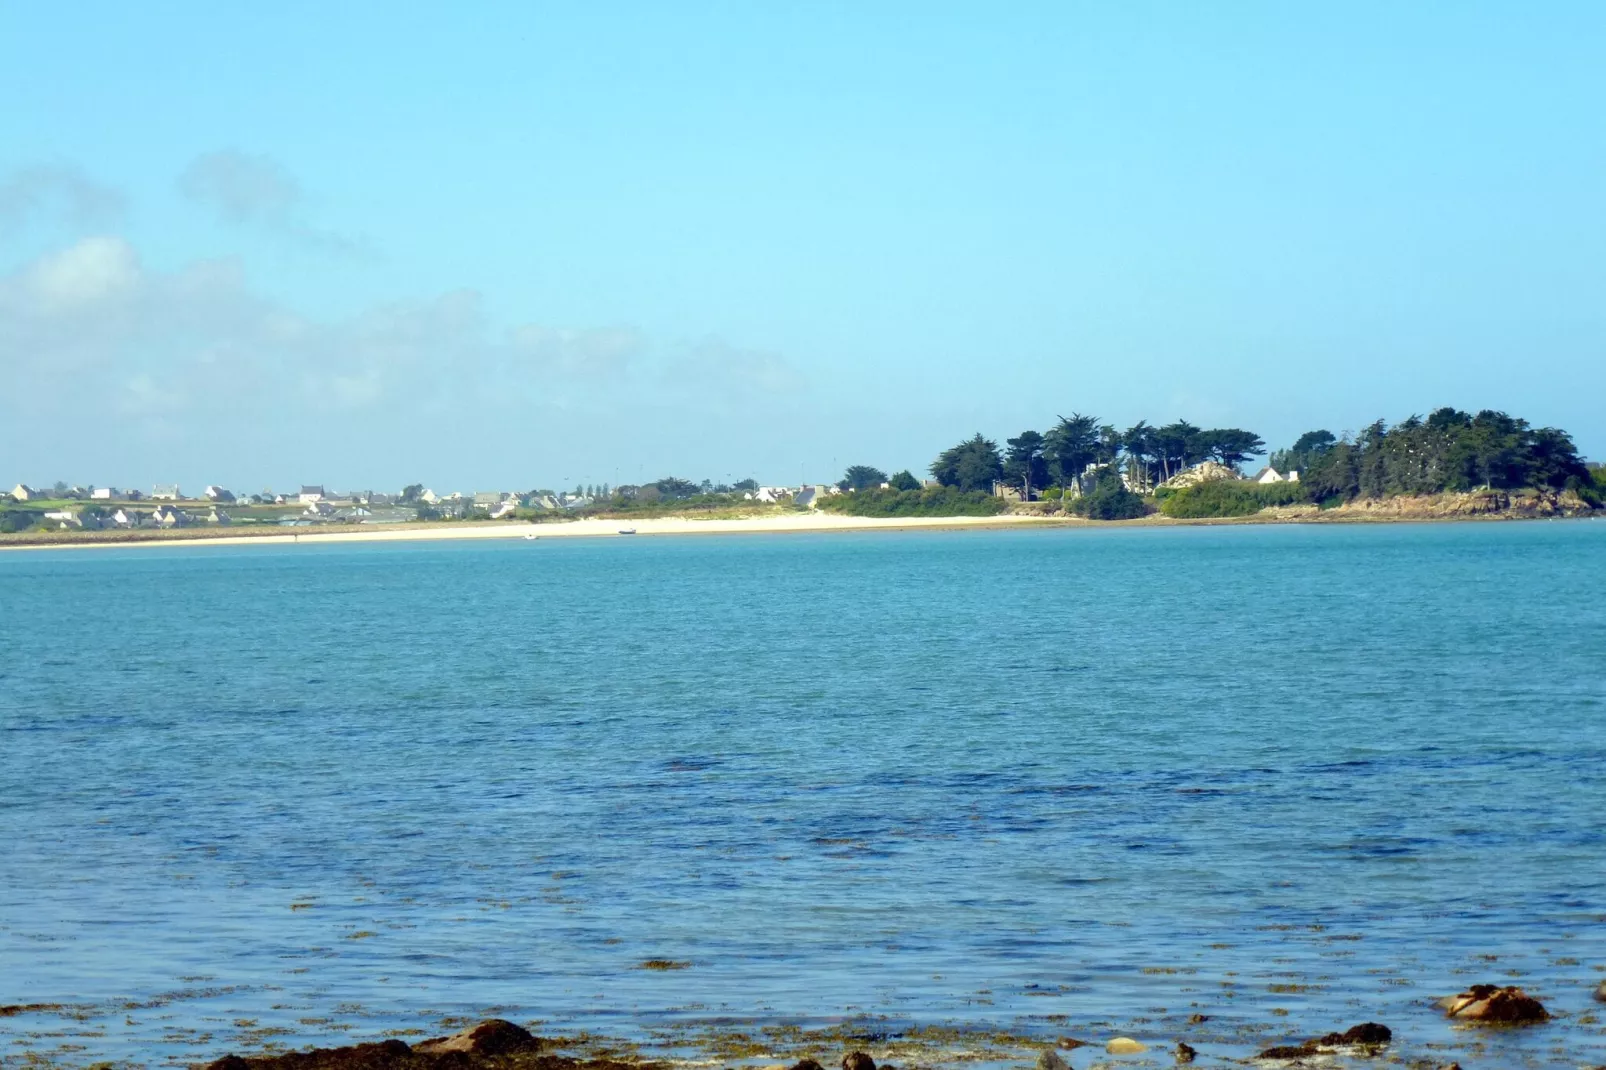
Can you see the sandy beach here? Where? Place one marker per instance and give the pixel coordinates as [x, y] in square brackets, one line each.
[796, 523]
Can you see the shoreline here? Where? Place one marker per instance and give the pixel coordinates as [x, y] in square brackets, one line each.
[790, 523]
[1221, 1030]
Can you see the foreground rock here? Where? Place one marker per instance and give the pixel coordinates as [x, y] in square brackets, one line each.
[857, 1060]
[495, 1036]
[494, 1043]
[1368, 1035]
[1050, 1060]
[1125, 1046]
[1600, 992]
[1495, 1005]
[1185, 1052]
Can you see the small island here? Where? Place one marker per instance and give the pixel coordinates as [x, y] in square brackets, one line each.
[1448, 465]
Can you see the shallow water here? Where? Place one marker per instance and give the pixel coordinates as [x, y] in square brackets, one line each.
[1078, 782]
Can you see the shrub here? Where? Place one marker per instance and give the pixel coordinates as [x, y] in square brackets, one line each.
[1109, 500]
[932, 501]
[1228, 497]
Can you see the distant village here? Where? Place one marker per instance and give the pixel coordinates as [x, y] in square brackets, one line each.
[165, 505]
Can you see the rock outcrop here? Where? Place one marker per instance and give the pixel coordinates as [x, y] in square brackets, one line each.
[1495, 1005]
[1478, 503]
[1049, 1059]
[1203, 472]
[490, 1045]
[1125, 1046]
[1367, 1035]
[857, 1060]
[494, 1036]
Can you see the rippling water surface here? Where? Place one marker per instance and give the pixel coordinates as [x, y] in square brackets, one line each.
[1059, 781]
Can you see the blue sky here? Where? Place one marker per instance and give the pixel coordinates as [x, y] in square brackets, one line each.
[540, 244]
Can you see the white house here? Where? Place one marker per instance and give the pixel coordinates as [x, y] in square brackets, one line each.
[504, 508]
[128, 518]
[322, 510]
[65, 518]
[166, 516]
[218, 494]
[429, 497]
[165, 492]
[1269, 474]
[23, 493]
[218, 516]
[103, 494]
[310, 494]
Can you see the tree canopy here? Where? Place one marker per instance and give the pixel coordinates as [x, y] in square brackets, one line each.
[1230, 445]
[1303, 453]
[674, 487]
[1024, 463]
[1070, 446]
[1449, 451]
[974, 464]
[862, 477]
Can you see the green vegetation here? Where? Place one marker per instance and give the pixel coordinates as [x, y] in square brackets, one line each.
[1072, 453]
[1227, 497]
[1303, 453]
[723, 505]
[15, 520]
[1025, 464]
[1449, 451]
[905, 480]
[862, 477]
[1109, 500]
[974, 465]
[932, 501]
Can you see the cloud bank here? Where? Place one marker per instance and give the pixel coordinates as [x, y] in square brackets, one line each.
[45, 191]
[246, 189]
[192, 362]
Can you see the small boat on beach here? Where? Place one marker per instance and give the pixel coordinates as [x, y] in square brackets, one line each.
[627, 531]
[531, 537]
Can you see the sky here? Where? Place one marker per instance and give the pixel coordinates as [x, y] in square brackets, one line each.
[497, 246]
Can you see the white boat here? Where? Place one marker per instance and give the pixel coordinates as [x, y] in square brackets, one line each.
[531, 537]
[627, 531]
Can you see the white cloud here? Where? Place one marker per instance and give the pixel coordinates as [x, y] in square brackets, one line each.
[596, 352]
[91, 272]
[191, 368]
[92, 316]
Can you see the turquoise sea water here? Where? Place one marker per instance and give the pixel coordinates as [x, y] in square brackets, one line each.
[1060, 781]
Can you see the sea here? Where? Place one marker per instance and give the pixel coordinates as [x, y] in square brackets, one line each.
[1236, 785]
